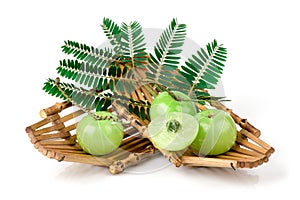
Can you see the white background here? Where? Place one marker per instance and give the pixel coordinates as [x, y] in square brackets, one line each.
[261, 78]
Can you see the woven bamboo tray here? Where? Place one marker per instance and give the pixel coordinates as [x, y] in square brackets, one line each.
[54, 136]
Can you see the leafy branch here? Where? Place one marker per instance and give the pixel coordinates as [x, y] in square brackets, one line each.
[113, 33]
[85, 99]
[164, 63]
[100, 57]
[99, 78]
[204, 69]
[109, 74]
[133, 44]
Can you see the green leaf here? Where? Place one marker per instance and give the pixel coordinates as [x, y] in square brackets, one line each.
[91, 55]
[165, 59]
[139, 108]
[203, 69]
[97, 77]
[82, 97]
[133, 45]
[113, 33]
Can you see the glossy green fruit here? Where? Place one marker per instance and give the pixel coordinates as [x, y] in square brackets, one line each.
[164, 103]
[217, 133]
[174, 131]
[99, 137]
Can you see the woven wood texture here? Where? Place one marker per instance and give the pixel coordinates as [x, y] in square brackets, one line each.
[54, 136]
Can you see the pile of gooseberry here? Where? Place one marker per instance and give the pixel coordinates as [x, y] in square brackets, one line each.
[175, 125]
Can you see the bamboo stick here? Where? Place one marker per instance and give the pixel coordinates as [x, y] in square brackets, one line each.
[106, 160]
[128, 140]
[87, 159]
[56, 108]
[71, 116]
[208, 162]
[134, 95]
[129, 130]
[32, 137]
[54, 155]
[248, 160]
[49, 129]
[243, 123]
[131, 145]
[125, 152]
[53, 136]
[228, 157]
[255, 139]
[48, 153]
[147, 95]
[122, 112]
[250, 163]
[251, 146]
[241, 156]
[58, 142]
[140, 95]
[64, 151]
[41, 123]
[133, 159]
[246, 151]
[272, 150]
[133, 142]
[69, 128]
[201, 107]
[58, 147]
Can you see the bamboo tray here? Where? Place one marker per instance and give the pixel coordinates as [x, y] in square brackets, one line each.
[54, 136]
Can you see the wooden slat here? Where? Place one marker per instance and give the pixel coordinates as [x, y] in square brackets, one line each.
[251, 146]
[58, 147]
[69, 128]
[243, 123]
[52, 136]
[239, 155]
[71, 116]
[87, 159]
[229, 157]
[207, 162]
[247, 152]
[140, 95]
[49, 129]
[41, 123]
[56, 108]
[57, 142]
[132, 159]
[147, 94]
[255, 139]
[70, 151]
[134, 95]
[123, 152]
